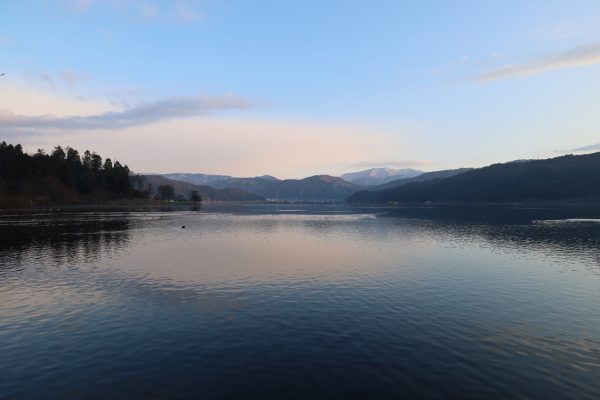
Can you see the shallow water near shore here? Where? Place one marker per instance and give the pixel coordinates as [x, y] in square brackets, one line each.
[300, 301]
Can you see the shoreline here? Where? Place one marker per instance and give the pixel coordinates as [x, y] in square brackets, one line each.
[152, 204]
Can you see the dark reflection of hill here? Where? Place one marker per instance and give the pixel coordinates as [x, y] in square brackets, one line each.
[556, 231]
[492, 214]
[67, 238]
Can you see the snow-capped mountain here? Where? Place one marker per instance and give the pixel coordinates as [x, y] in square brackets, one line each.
[379, 176]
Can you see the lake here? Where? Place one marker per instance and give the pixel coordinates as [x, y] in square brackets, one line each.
[300, 301]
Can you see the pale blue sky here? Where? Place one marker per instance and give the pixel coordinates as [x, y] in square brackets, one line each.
[292, 88]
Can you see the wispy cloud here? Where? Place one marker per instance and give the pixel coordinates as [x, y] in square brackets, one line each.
[592, 147]
[577, 57]
[583, 149]
[142, 114]
[395, 163]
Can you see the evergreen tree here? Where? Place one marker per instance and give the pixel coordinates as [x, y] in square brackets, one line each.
[62, 176]
[58, 153]
[73, 156]
[87, 159]
[96, 162]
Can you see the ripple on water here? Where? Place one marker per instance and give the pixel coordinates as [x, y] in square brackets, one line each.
[302, 304]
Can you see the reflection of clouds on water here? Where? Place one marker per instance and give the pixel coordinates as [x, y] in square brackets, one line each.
[276, 242]
[216, 247]
[399, 299]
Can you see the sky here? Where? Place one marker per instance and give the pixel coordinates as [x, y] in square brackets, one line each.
[297, 88]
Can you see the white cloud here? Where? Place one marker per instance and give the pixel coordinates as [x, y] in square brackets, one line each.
[592, 147]
[577, 57]
[583, 149]
[141, 114]
[165, 135]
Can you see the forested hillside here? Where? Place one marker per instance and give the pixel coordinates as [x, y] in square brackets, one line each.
[184, 190]
[561, 178]
[62, 176]
[313, 188]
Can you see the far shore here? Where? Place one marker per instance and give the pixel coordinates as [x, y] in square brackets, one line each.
[138, 203]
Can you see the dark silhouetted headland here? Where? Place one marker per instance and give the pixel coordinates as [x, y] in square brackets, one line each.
[562, 178]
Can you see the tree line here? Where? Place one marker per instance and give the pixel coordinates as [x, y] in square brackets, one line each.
[64, 175]
[167, 192]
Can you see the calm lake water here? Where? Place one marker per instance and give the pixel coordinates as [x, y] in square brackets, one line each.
[283, 302]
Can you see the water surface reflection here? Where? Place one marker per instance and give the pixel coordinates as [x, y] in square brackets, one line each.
[328, 302]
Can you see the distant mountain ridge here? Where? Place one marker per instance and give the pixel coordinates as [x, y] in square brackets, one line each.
[317, 188]
[562, 178]
[313, 188]
[372, 194]
[206, 192]
[197, 179]
[379, 176]
[427, 176]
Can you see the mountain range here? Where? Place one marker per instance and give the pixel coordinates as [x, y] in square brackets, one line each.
[317, 188]
[379, 176]
[65, 176]
[196, 179]
[313, 188]
[206, 192]
[426, 176]
[562, 178]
